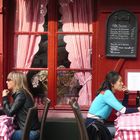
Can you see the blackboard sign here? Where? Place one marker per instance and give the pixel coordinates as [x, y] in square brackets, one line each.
[121, 39]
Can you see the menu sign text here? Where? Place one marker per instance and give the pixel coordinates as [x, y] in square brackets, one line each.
[121, 39]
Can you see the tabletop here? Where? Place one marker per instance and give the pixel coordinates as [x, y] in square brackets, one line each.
[6, 127]
[128, 127]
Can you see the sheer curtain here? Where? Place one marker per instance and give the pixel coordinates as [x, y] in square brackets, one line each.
[29, 18]
[77, 17]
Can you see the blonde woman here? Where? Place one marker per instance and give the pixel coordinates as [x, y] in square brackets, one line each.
[22, 101]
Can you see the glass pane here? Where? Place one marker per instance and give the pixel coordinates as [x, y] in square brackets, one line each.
[76, 85]
[31, 15]
[30, 51]
[60, 24]
[62, 53]
[75, 51]
[75, 16]
[38, 81]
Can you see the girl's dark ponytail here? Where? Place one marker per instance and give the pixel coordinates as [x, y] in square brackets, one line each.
[111, 78]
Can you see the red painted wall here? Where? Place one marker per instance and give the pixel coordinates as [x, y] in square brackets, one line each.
[104, 64]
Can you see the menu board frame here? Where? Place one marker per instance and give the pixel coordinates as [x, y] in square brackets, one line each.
[132, 80]
[121, 34]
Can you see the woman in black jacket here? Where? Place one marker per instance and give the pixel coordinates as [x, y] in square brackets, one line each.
[22, 101]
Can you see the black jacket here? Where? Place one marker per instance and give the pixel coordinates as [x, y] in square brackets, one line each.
[19, 108]
[98, 131]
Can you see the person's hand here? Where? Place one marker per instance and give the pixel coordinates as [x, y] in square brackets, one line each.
[125, 90]
[5, 92]
[138, 109]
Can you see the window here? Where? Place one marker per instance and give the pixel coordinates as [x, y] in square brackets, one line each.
[54, 48]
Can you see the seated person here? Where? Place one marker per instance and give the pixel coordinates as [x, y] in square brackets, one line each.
[22, 101]
[105, 100]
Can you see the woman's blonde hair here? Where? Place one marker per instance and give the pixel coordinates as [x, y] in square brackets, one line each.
[20, 80]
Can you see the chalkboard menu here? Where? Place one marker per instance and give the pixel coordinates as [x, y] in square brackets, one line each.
[121, 39]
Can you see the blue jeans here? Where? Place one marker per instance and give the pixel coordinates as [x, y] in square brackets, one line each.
[17, 135]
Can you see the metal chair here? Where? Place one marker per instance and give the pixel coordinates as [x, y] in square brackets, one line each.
[31, 112]
[43, 120]
[79, 119]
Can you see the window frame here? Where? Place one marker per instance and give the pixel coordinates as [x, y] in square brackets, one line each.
[52, 34]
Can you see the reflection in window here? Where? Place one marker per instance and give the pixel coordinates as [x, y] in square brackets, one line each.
[39, 82]
[67, 87]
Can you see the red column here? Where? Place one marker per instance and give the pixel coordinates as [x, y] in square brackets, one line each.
[52, 49]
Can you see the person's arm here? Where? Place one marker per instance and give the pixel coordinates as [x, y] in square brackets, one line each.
[126, 96]
[112, 101]
[17, 104]
[131, 110]
[125, 99]
[125, 103]
[125, 110]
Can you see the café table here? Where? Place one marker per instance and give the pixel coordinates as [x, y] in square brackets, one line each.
[6, 127]
[127, 127]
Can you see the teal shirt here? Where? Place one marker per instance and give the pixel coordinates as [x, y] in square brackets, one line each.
[103, 103]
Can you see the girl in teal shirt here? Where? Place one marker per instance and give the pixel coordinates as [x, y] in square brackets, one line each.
[105, 100]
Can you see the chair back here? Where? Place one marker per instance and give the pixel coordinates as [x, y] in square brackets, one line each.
[43, 120]
[79, 119]
[31, 113]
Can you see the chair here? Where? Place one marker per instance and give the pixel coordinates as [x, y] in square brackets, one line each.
[79, 119]
[28, 122]
[43, 120]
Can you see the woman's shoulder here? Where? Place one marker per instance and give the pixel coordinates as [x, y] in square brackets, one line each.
[108, 91]
[108, 94]
[21, 93]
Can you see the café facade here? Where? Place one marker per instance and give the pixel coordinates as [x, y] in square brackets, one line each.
[66, 47]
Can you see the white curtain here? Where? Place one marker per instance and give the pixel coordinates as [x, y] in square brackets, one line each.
[77, 17]
[29, 18]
